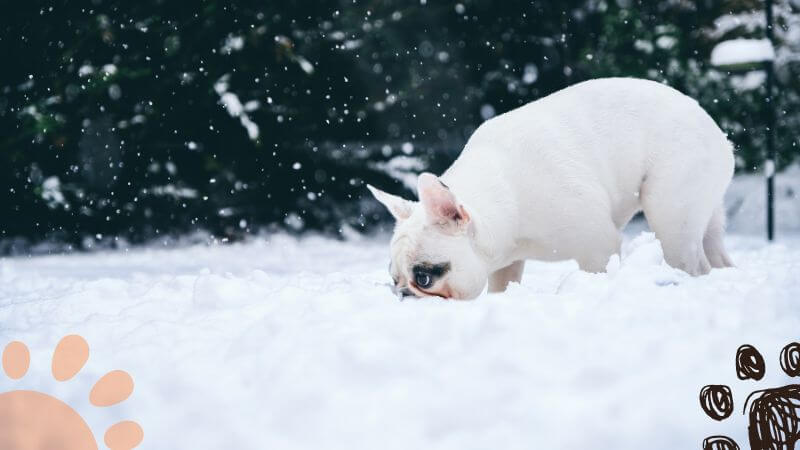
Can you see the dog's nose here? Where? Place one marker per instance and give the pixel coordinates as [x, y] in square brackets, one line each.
[402, 293]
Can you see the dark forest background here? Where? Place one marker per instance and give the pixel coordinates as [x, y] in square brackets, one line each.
[126, 121]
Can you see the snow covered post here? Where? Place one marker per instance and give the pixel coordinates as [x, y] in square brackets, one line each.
[745, 55]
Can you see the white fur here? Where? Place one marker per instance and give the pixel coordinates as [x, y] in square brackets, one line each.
[560, 177]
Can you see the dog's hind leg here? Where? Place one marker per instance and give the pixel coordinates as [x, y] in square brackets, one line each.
[713, 243]
[678, 211]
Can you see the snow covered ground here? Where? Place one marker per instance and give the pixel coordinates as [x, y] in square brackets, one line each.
[299, 344]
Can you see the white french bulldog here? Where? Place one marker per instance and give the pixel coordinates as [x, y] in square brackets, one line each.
[558, 179]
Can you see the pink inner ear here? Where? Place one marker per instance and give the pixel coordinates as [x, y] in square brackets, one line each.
[449, 210]
[440, 203]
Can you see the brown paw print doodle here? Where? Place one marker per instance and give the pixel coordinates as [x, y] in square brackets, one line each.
[773, 414]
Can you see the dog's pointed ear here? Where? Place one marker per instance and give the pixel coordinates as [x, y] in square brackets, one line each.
[441, 205]
[400, 208]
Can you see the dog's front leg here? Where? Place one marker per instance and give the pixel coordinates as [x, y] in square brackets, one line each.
[499, 279]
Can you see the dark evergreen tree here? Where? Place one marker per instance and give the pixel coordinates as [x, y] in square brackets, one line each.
[133, 120]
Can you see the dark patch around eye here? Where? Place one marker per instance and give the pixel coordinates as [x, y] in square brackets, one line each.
[434, 270]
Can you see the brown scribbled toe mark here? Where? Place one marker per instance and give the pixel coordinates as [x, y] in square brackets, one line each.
[775, 418]
[790, 359]
[717, 401]
[719, 443]
[749, 363]
[773, 414]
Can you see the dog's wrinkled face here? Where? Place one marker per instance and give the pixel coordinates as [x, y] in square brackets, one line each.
[432, 249]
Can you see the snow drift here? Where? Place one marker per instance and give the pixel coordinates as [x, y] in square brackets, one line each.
[298, 344]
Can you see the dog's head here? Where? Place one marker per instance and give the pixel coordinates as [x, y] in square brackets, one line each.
[432, 247]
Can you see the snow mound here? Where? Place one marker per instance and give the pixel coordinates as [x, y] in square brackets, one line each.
[642, 266]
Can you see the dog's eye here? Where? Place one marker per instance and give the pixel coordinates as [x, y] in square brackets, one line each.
[423, 280]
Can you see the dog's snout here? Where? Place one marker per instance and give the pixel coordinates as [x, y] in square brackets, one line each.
[402, 291]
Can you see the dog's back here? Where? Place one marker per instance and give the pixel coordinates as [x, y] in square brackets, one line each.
[587, 158]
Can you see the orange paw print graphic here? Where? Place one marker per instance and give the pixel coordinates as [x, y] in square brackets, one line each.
[31, 420]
